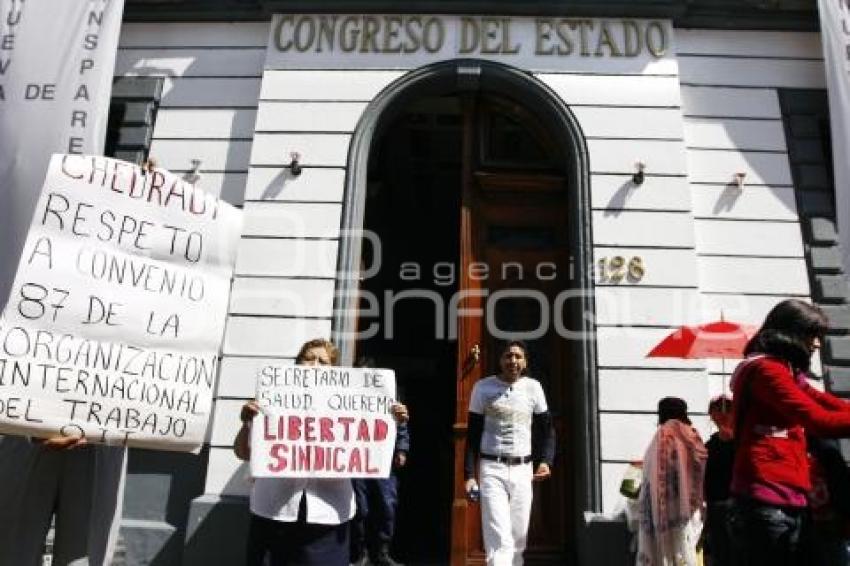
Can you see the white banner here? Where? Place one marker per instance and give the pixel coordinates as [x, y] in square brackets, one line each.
[835, 35]
[56, 65]
[114, 322]
[323, 422]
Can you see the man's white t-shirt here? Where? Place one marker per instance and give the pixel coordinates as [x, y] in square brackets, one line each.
[508, 409]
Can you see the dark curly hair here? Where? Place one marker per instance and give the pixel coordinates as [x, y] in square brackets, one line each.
[786, 331]
[522, 345]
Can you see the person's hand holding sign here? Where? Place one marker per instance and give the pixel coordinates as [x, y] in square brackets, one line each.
[249, 411]
[242, 442]
[60, 442]
[400, 413]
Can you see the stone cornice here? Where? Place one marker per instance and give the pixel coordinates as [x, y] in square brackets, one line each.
[797, 15]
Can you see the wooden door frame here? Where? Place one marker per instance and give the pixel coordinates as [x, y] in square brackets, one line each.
[468, 75]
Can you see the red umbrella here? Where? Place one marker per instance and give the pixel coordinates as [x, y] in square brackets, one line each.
[721, 339]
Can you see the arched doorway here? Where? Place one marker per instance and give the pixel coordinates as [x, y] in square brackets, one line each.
[473, 178]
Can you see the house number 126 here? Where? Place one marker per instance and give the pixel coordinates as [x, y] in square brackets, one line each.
[615, 269]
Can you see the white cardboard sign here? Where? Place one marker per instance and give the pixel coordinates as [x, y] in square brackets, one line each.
[54, 97]
[114, 321]
[323, 422]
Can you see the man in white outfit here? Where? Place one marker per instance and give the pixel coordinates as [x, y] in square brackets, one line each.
[510, 432]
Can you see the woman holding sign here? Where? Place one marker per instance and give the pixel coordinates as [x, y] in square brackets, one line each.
[510, 433]
[301, 521]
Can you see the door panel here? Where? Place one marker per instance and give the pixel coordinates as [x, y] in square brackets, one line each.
[527, 309]
[466, 526]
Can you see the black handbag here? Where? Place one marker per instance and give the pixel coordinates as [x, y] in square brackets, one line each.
[836, 474]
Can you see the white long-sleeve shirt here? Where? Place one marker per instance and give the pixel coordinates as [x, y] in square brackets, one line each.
[329, 501]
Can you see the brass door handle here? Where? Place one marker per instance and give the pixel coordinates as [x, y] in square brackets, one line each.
[471, 360]
[475, 354]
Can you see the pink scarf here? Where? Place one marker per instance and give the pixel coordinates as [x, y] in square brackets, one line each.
[673, 467]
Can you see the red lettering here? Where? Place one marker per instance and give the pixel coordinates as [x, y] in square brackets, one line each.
[278, 453]
[381, 430]
[304, 458]
[354, 463]
[294, 428]
[363, 430]
[267, 435]
[369, 469]
[310, 429]
[338, 466]
[346, 422]
[326, 427]
[320, 459]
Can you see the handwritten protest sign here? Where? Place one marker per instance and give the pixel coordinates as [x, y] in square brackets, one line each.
[114, 321]
[323, 422]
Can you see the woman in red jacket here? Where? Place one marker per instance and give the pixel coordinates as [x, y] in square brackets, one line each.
[774, 408]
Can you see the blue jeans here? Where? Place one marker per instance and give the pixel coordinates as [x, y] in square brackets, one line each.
[766, 535]
[374, 524]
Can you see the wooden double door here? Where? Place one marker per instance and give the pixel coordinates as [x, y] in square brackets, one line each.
[472, 181]
[514, 284]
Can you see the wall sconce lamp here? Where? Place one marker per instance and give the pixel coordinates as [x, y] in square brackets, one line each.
[739, 179]
[193, 176]
[294, 165]
[638, 176]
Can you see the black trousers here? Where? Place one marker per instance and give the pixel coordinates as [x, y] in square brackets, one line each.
[718, 546]
[827, 543]
[766, 535]
[297, 543]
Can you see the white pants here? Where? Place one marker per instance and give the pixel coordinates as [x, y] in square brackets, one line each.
[505, 511]
[83, 487]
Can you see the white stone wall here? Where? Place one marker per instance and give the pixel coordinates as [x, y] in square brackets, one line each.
[749, 243]
[627, 117]
[212, 82]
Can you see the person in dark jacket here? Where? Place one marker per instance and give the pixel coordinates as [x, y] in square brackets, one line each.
[373, 525]
[718, 476]
[774, 407]
[377, 499]
[829, 504]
